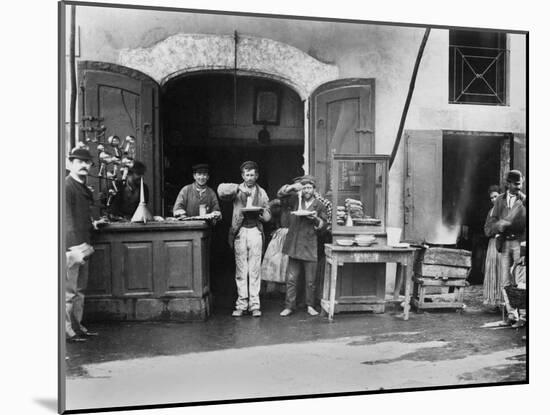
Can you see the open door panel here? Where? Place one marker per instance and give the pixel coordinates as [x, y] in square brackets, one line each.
[126, 102]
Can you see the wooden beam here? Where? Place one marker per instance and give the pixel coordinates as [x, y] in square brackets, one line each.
[409, 95]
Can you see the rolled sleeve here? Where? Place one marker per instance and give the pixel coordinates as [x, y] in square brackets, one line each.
[227, 191]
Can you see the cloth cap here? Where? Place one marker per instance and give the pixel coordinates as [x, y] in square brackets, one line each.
[307, 179]
[249, 165]
[81, 154]
[296, 179]
[201, 166]
[514, 176]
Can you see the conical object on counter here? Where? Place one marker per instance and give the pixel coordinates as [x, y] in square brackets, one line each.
[142, 214]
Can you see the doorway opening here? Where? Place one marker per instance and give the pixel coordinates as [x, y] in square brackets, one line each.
[471, 163]
[204, 121]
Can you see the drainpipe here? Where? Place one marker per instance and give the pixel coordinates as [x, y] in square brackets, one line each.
[409, 95]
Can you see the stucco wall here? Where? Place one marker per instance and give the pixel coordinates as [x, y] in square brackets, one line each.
[386, 53]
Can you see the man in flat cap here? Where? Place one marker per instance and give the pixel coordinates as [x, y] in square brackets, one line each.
[250, 210]
[78, 236]
[126, 200]
[301, 241]
[508, 221]
[197, 194]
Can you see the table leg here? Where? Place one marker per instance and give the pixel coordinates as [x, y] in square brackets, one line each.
[407, 271]
[332, 296]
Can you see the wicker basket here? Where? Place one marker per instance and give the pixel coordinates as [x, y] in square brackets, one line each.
[516, 296]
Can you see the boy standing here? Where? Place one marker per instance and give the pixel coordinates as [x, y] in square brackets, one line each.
[191, 197]
[246, 236]
[301, 241]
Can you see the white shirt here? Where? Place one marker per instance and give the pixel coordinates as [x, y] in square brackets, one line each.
[307, 204]
[510, 199]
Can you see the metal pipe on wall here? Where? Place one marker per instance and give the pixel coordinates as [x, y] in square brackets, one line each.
[409, 95]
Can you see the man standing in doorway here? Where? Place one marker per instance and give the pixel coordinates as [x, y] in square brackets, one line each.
[79, 224]
[250, 209]
[197, 194]
[301, 240]
[508, 220]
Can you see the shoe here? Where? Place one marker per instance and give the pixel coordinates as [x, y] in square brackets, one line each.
[88, 333]
[311, 311]
[256, 313]
[237, 313]
[285, 312]
[76, 339]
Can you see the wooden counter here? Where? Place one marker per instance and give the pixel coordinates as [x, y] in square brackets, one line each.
[152, 271]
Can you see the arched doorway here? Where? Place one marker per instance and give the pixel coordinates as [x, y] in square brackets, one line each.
[204, 121]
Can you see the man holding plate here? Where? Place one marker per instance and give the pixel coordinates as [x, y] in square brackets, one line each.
[307, 219]
[250, 211]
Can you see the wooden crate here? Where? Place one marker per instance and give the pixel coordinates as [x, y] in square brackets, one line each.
[453, 298]
[444, 271]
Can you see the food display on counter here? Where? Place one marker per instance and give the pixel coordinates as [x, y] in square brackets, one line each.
[352, 213]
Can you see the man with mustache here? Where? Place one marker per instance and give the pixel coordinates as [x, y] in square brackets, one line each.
[78, 235]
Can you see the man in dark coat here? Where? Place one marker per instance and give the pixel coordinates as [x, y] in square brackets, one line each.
[301, 240]
[508, 220]
[79, 224]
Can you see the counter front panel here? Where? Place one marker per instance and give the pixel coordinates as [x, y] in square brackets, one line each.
[153, 271]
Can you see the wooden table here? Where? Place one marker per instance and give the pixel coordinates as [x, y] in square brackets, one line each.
[339, 255]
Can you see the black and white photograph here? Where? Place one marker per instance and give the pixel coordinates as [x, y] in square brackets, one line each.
[242, 207]
[261, 206]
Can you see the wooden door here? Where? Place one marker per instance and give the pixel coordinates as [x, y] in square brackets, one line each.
[341, 120]
[126, 102]
[423, 184]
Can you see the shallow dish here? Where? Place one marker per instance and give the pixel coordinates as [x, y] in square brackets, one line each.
[302, 212]
[251, 209]
[364, 238]
[344, 242]
[364, 244]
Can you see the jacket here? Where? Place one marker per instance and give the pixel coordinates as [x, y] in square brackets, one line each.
[516, 218]
[301, 239]
[78, 214]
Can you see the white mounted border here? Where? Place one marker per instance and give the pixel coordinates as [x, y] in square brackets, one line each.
[187, 53]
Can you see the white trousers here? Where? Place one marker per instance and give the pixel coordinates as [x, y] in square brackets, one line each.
[248, 258]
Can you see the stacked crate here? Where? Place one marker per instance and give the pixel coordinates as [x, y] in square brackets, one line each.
[440, 278]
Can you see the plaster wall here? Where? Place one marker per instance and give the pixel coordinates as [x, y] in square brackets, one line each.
[386, 53]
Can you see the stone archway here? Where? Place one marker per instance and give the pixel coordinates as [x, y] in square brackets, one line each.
[187, 53]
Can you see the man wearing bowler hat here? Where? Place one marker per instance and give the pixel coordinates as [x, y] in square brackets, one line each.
[78, 235]
[197, 199]
[301, 241]
[508, 220]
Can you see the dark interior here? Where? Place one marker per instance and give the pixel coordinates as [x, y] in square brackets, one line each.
[471, 163]
[204, 124]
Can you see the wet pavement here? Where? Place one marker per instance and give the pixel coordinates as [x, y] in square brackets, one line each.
[236, 358]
